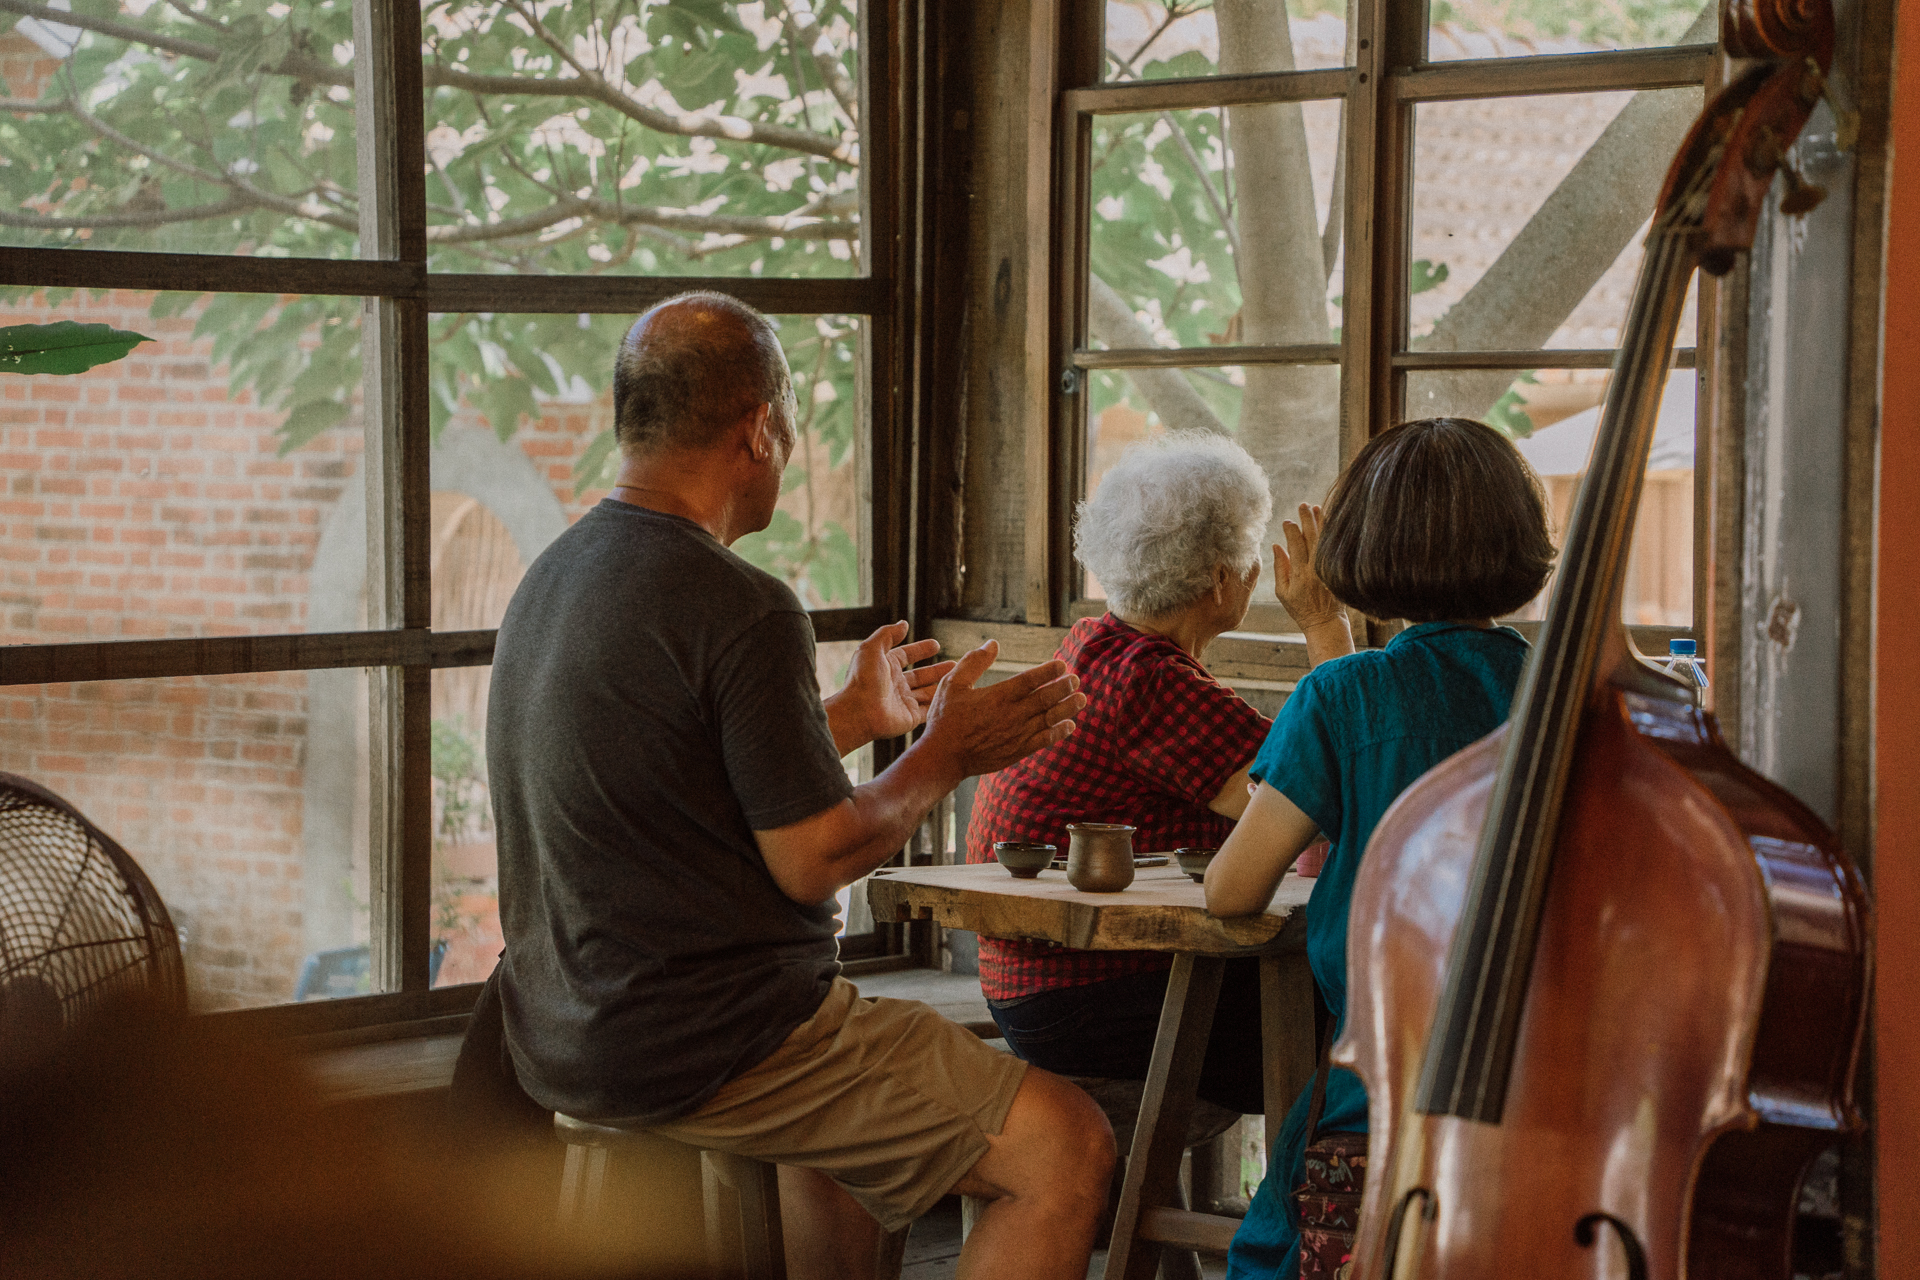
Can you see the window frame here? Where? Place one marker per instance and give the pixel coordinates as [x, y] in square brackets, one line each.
[399, 293]
[1388, 79]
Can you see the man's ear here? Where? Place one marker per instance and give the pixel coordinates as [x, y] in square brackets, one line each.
[756, 431]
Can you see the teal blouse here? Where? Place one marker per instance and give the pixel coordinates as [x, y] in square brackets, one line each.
[1357, 732]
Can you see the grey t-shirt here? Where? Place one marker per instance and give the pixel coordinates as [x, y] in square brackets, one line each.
[654, 703]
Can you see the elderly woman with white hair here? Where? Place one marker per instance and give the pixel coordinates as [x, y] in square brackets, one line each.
[1173, 533]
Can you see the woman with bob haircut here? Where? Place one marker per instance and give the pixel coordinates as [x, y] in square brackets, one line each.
[1441, 523]
[1173, 533]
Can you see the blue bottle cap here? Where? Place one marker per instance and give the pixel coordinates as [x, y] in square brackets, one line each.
[1679, 648]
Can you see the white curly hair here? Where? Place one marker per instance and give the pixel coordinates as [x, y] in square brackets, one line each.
[1165, 514]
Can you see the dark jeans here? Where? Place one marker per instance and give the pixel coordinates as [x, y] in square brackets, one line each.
[1107, 1028]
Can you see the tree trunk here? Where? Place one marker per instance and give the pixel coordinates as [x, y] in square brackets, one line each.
[1563, 250]
[1288, 414]
[1167, 391]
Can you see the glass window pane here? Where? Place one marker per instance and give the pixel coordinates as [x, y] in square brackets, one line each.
[206, 483]
[466, 881]
[244, 799]
[523, 445]
[833, 659]
[1286, 416]
[1552, 415]
[1529, 214]
[1157, 39]
[1476, 29]
[727, 142]
[226, 128]
[1212, 227]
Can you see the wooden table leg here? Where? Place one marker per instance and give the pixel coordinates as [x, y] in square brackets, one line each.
[1166, 1106]
[1287, 1051]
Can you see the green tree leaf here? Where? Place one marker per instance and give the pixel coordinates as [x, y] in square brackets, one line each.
[63, 347]
[307, 421]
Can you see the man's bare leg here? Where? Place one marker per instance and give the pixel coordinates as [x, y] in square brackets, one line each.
[829, 1236]
[1046, 1175]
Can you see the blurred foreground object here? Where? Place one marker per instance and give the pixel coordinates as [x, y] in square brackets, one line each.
[141, 1144]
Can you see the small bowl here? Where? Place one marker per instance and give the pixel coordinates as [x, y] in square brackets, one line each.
[1024, 861]
[1194, 862]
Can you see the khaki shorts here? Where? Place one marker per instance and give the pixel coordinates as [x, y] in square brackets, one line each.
[886, 1097]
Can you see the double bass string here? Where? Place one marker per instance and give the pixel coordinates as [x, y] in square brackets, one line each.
[1469, 1054]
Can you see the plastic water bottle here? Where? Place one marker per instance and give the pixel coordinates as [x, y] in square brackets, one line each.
[1684, 664]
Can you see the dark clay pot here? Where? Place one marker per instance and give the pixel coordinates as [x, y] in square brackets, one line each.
[1100, 857]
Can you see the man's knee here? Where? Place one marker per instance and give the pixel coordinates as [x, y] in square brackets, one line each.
[1077, 1139]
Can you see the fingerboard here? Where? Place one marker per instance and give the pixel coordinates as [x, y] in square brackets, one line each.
[1469, 1053]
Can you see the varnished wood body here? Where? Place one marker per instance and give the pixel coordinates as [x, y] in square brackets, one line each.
[1690, 1028]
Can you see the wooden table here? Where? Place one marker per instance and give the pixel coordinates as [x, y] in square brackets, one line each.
[1161, 911]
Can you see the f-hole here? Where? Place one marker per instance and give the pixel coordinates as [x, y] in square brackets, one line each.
[1586, 1231]
[1428, 1206]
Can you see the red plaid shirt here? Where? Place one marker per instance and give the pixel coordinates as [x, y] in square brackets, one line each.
[1159, 738]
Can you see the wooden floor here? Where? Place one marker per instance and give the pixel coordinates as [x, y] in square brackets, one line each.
[933, 1248]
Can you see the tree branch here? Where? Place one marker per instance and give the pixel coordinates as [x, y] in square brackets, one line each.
[232, 182]
[804, 30]
[1206, 183]
[791, 226]
[153, 218]
[118, 30]
[32, 106]
[1565, 247]
[1167, 391]
[686, 124]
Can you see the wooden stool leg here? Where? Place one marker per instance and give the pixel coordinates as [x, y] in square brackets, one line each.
[582, 1183]
[1286, 1034]
[891, 1254]
[1160, 1137]
[742, 1199]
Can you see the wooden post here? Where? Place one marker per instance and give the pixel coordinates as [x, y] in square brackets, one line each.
[1009, 398]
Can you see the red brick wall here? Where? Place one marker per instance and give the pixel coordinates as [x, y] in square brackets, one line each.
[200, 779]
[143, 499]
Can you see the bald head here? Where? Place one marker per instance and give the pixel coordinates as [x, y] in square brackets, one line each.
[690, 367]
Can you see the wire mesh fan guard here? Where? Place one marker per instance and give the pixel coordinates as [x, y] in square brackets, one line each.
[80, 923]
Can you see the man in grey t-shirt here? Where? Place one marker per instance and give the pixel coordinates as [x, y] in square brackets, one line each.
[673, 823]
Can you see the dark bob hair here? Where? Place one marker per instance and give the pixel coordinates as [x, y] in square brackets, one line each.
[1438, 519]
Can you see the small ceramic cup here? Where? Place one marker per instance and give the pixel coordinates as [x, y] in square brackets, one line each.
[1194, 862]
[1100, 856]
[1024, 861]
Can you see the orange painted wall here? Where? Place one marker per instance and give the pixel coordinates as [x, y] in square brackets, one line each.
[1897, 700]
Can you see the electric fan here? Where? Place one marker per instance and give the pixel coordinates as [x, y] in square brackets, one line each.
[80, 923]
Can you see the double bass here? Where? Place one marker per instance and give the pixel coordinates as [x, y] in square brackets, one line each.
[1606, 985]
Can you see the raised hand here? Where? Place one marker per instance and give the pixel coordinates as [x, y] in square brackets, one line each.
[982, 730]
[886, 694]
[1314, 609]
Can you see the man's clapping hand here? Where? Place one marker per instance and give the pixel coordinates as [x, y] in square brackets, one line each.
[886, 695]
[980, 730]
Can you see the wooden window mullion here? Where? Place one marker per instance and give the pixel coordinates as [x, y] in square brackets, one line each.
[396, 468]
